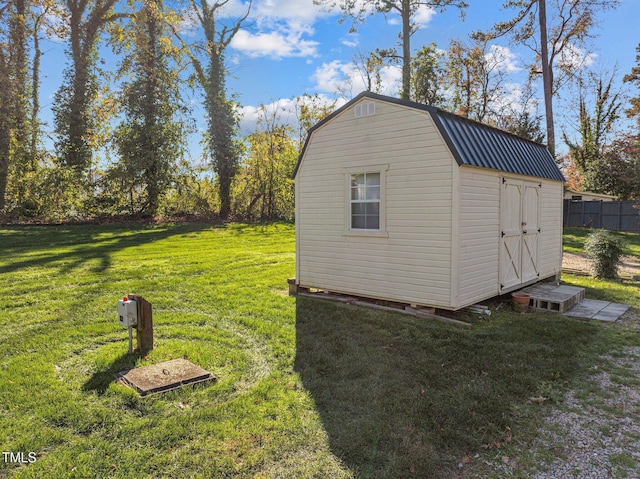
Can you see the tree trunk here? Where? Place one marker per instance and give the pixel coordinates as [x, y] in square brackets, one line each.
[405, 94]
[19, 78]
[35, 96]
[5, 129]
[547, 76]
[221, 123]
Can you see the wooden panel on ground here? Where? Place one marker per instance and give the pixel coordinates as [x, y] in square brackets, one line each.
[164, 376]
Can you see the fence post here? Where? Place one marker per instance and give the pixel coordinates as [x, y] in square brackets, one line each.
[144, 329]
[619, 215]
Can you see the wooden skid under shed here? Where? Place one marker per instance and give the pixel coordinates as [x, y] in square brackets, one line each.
[418, 312]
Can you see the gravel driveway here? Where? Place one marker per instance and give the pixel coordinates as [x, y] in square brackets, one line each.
[630, 265]
[595, 432]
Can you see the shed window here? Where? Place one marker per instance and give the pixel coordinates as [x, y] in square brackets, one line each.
[365, 201]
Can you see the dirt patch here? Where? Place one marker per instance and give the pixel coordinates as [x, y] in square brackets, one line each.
[579, 262]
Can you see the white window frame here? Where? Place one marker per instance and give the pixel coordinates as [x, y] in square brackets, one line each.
[382, 226]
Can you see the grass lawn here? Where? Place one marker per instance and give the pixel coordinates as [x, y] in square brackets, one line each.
[306, 388]
[575, 238]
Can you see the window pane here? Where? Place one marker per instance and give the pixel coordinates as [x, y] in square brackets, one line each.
[373, 179]
[372, 193]
[373, 222]
[372, 208]
[358, 208]
[365, 201]
[358, 222]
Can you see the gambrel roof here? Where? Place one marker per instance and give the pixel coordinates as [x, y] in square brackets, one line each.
[473, 143]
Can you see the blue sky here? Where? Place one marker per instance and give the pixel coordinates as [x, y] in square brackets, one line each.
[292, 47]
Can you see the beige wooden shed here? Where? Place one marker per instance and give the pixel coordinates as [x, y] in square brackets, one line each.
[404, 202]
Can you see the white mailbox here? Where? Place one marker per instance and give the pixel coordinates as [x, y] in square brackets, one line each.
[127, 312]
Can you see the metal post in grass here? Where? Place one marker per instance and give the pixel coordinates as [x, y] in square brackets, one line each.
[144, 328]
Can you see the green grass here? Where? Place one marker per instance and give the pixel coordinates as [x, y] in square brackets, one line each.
[306, 388]
[575, 238]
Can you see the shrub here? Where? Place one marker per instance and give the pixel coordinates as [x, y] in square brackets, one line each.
[605, 250]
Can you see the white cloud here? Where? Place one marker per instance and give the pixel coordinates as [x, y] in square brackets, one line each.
[252, 115]
[421, 18]
[351, 40]
[234, 9]
[290, 11]
[511, 99]
[189, 23]
[275, 44]
[345, 78]
[502, 59]
[573, 58]
[423, 15]
[282, 29]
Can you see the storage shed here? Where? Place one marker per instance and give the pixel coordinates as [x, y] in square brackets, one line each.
[405, 202]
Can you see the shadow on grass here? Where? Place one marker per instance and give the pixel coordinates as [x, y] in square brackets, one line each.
[100, 380]
[404, 397]
[88, 243]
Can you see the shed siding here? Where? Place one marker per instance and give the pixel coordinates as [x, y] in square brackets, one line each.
[479, 244]
[550, 247]
[412, 264]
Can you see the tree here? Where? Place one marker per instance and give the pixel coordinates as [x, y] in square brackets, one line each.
[74, 118]
[358, 10]
[151, 137]
[427, 76]
[634, 77]
[553, 41]
[5, 127]
[14, 97]
[595, 123]
[570, 173]
[618, 170]
[309, 111]
[40, 21]
[468, 77]
[210, 73]
[19, 90]
[266, 186]
[521, 118]
[370, 68]
[476, 76]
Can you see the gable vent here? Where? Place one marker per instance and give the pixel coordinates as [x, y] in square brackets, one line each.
[365, 109]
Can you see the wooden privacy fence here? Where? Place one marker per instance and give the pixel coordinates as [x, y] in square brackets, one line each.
[609, 215]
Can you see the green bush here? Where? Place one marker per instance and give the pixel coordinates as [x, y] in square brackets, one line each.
[605, 251]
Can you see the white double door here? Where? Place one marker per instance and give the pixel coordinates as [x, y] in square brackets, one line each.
[520, 230]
